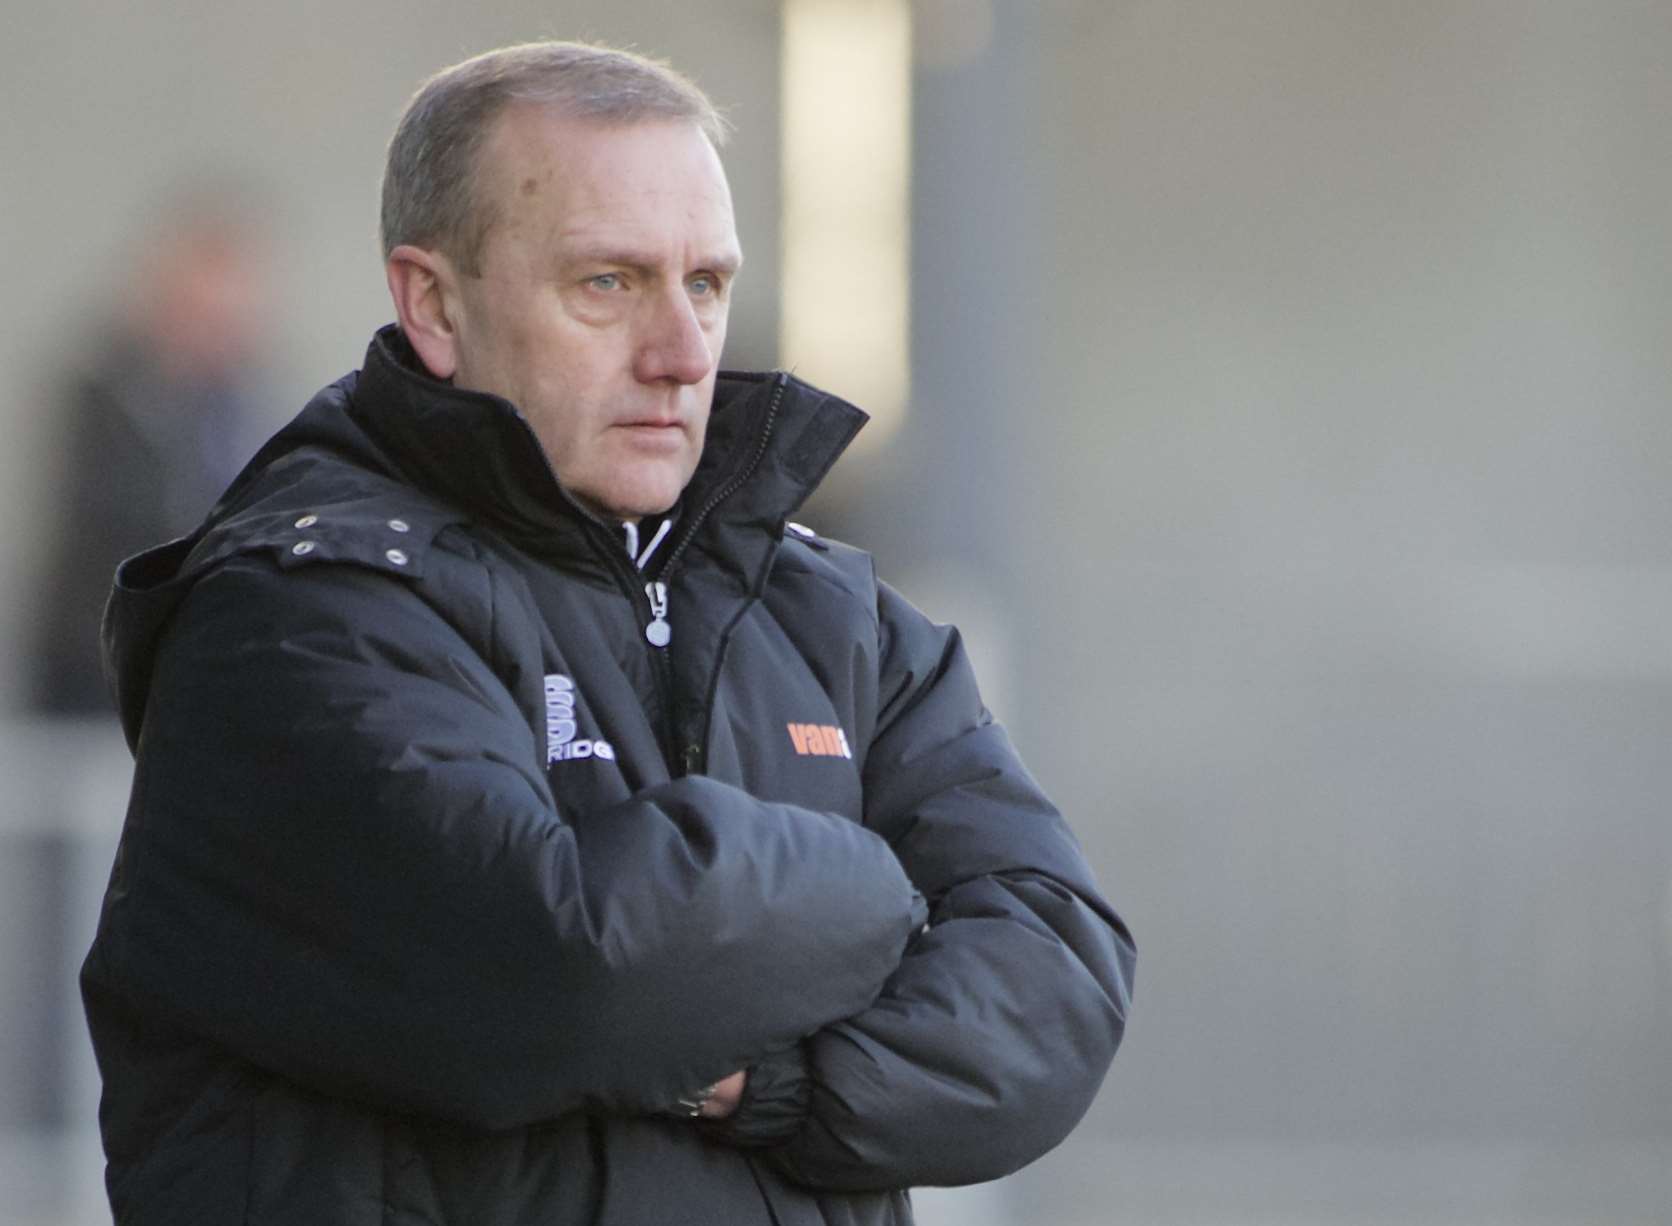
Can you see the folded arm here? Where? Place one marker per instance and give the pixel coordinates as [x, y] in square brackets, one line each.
[990, 1040]
[345, 866]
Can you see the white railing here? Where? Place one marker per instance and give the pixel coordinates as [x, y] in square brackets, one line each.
[63, 791]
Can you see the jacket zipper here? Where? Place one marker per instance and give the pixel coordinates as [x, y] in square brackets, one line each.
[644, 600]
[649, 602]
[690, 756]
[730, 487]
[650, 598]
[657, 632]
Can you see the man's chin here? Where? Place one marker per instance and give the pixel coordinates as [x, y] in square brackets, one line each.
[633, 502]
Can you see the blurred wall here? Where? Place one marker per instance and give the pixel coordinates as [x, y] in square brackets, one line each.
[1356, 420]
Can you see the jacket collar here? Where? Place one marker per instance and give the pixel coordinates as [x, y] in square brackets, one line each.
[771, 439]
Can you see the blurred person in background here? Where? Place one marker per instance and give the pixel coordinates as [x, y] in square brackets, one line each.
[156, 418]
[529, 823]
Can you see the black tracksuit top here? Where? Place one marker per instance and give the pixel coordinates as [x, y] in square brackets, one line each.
[441, 886]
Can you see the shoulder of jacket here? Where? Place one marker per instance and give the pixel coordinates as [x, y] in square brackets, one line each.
[843, 566]
[312, 506]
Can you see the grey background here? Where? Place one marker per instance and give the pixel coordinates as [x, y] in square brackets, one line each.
[1288, 429]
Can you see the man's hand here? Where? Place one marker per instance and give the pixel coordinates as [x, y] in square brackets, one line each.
[727, 1093]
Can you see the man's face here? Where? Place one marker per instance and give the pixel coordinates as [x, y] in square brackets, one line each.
[601, 306]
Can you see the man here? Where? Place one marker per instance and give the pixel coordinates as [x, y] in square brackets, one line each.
[526, 828]
[155, 417]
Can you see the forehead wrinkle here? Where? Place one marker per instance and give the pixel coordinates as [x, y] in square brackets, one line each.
[644, 248]
[553, 201]
[725, 258]
[577, 221]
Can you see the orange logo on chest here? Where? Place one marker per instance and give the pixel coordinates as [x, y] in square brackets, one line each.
[819, 740]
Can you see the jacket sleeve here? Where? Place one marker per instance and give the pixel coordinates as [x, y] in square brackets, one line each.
[990, 1040]
[344, 865]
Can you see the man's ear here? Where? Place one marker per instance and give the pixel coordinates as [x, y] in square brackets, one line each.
[422, 284]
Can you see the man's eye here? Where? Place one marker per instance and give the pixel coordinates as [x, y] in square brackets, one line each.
[605, 281]
[705, 285]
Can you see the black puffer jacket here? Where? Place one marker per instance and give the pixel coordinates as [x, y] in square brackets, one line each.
[440, 885]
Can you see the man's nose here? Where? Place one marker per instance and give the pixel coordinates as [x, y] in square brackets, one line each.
[673, 345]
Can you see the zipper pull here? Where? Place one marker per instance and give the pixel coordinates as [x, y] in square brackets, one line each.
[658, 631]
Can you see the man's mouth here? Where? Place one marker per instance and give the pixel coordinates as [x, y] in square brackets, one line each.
[653, 432]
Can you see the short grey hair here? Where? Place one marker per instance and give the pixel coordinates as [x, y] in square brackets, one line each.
[430, 197]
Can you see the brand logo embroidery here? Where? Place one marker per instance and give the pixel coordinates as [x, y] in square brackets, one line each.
[819, 740]
[561, 745]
